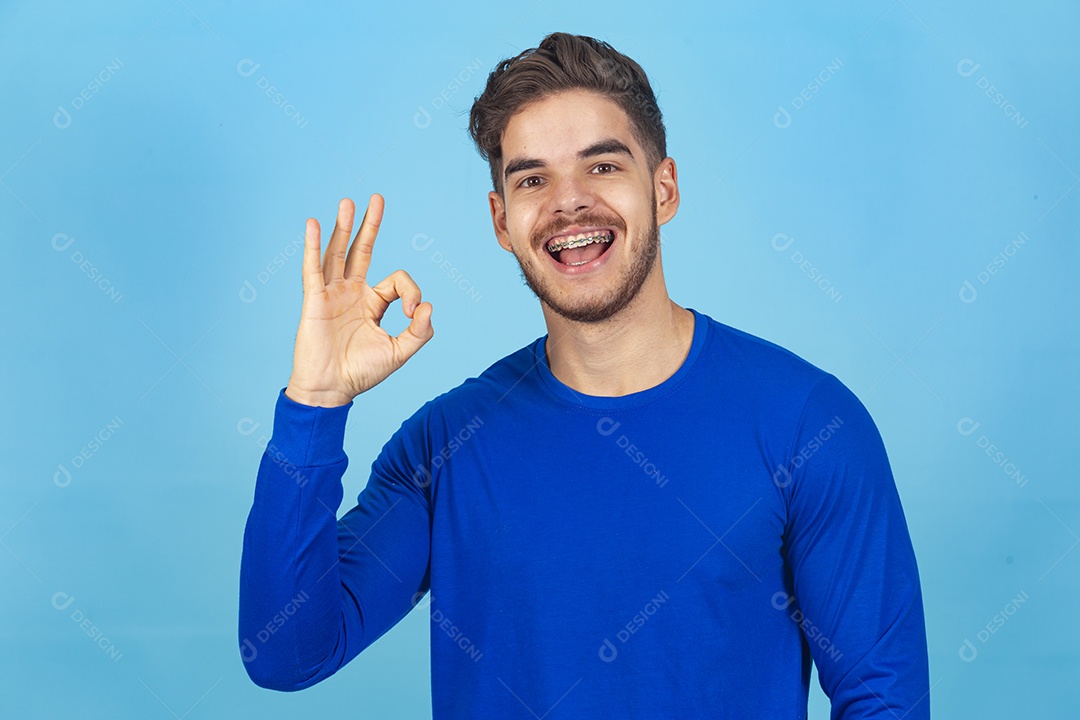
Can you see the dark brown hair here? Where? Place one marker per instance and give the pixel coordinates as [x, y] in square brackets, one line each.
[565, 62]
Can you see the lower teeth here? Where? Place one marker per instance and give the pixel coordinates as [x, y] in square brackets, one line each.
[584, 261]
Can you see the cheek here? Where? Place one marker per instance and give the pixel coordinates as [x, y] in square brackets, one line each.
[635, 200]
[521, 223]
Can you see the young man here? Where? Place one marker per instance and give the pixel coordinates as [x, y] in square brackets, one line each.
[644, 513]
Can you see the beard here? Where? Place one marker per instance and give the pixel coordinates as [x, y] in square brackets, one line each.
[597, 303]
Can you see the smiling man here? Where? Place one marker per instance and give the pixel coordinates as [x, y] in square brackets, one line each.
[643, 513]
[578, 200]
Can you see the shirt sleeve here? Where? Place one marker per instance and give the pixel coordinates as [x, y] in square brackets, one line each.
[315, 591]
[857, 596]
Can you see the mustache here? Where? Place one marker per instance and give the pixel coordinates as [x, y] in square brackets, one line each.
[557, 227]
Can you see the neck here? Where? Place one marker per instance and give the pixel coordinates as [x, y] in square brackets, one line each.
[636, 349]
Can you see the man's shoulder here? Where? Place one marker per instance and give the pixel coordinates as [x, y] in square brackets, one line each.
[774, 378]
[510, 372]
[771, 382]
[739, 352]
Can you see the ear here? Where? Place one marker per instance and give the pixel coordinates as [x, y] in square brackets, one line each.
[498, 220]
[666, 186]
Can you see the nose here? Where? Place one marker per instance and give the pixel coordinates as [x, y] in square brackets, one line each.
[571, 195]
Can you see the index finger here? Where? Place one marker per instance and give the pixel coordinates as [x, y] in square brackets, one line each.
[359, 258]
[312, 274]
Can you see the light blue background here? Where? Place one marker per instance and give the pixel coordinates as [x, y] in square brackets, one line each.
[180, 186]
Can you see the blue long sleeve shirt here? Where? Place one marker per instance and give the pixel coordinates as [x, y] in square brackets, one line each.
[684, 551]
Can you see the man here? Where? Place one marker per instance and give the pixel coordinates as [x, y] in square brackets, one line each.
[644, 513]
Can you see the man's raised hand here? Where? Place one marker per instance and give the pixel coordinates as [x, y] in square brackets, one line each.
[341, 350]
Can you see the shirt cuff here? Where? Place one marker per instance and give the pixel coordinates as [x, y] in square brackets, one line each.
[305, 435]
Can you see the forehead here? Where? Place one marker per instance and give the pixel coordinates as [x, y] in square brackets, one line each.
[564, 123]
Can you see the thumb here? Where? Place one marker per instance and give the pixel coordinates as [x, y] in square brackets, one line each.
[417, 333]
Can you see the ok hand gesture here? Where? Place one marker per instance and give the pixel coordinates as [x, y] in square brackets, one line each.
[341, 350]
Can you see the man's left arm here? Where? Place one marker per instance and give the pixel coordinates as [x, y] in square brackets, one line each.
[857, 595]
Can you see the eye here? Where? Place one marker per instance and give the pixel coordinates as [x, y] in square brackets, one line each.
[605, 168]
[527, 182]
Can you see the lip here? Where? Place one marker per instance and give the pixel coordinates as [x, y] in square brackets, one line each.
[589, 266]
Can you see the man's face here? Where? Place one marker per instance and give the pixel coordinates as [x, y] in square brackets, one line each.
[574, 172]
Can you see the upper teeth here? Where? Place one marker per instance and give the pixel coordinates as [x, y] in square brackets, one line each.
[581, 241]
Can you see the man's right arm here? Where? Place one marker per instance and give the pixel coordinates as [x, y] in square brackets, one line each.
[315, 591]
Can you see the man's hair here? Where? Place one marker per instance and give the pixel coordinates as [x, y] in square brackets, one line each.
[565, 62]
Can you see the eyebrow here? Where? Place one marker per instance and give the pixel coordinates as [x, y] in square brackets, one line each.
[601, 147]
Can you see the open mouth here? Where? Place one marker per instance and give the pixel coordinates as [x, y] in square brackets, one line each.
[581, 248]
